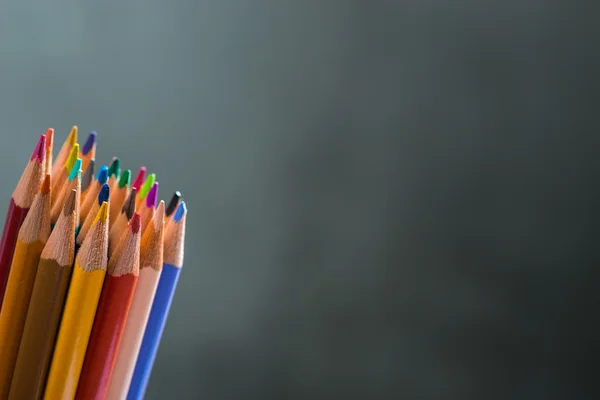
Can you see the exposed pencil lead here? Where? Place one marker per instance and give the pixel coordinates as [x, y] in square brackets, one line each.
[139, 179]
[89, 143]
[181, 210]
[39, 151]
[103, 174]
[45, 187]
[72, 157]
[115, 167]
[104, 194]
[76, 170]
[102, 213]
[125, 178]
[72, 139]
[135, 223]
[173, 203]
[147, 185]
[152, 196]
[87, 176]
[69, 206]
[129, 205]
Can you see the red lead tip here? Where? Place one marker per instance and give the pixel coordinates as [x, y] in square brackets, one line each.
[135, 223]
[40, 150]
[139, 179]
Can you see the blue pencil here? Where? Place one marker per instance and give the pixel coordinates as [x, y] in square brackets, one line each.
[173, 261]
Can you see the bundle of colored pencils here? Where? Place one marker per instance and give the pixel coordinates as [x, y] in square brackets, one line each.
[89, 263]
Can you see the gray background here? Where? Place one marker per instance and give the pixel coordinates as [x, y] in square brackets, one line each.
[387, 198]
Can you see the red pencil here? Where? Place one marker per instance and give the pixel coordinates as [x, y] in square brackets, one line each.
[20, 202]
[121, 278]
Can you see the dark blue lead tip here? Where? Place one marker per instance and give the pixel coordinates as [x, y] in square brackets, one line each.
[180, 211]
[104, 194]
[103, 174]
[89, 143]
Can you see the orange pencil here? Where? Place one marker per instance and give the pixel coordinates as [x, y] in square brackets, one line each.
[119, 285]
[49, 144]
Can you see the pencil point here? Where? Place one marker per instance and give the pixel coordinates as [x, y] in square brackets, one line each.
[39, 151]
[87, 176]
[181, 211]
[152, 196]
[69, 206]
[135, 223]
[104, 194]
[49, 138]
[45, 187]
[72, 157]
[103, 175]
[76, 170]
[129, 205]
[89, 143]
[72, 139]
[102, 214]
[125, 178]
[173, 203]
[159, 217]
[139, 179]
[147, 185]
[115, 167]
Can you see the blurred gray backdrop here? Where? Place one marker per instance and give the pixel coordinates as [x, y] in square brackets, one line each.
[387, 199]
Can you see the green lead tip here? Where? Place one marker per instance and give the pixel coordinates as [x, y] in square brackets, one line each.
[147, 185]
[125, 178]
[115, 167]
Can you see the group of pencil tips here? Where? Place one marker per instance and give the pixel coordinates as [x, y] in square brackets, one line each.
[89, 263]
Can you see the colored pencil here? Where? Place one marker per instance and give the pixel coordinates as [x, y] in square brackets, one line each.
[114, 171]
[151, 260]
[103, 196]
[79, 312]
[65, 150]
[31, 240]
[143, 191]
[18, 207]
[139, 179]
[45, 307]
[49, 145]
[88, 198]
[66, 190]
[119, 286]
[88, 151]
[148, 206]
[118, 228]
[173, 203]
[60, 181]
[88, 176]
[120, 191]
[173, 262]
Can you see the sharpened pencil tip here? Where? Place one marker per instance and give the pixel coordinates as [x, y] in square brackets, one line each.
[115, 167]
[72, 139]
[129, 205]
[139, 179]
[45, 187]
[89, 143]
[103, 175]
[69, 206]
[152, 197]
[181, 211]
[125, 178]
[147, 185]
[135, 223]
[39, 151]
[72, 157]
[76, 170]
[87, 176]
[49, 138]
[159, 217]
[173, 203]
[102, 214]
[104, 194]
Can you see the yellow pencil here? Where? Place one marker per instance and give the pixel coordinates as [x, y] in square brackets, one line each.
[80, 310]
[31, 240]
